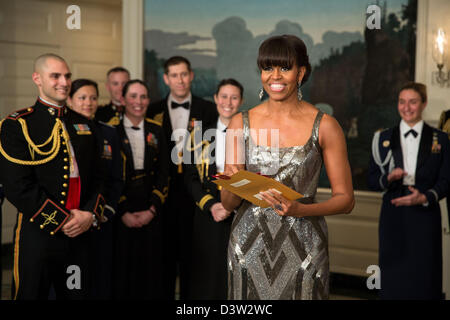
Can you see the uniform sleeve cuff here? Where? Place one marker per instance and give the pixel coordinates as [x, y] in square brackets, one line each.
[99, 207]
[206, 202]
[432, 196]
[50, 217]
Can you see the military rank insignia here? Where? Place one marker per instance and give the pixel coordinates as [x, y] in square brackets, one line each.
[152, 140]
[435, 147]
[82, 129]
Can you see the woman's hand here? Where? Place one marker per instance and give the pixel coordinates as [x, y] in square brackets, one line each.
[396, 174]
[281, 205]
[130, 220]
[144, 217]
[415, 198]
[218, 212]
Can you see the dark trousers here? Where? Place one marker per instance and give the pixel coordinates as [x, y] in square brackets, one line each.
[177, 231]
[42, 261]
[138, 266]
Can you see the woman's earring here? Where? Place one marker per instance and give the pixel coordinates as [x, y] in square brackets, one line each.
[261, 93]
[299, 92]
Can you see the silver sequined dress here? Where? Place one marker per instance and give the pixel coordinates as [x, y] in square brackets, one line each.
[274, 257]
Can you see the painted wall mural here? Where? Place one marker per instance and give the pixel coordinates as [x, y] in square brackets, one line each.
[356, 71]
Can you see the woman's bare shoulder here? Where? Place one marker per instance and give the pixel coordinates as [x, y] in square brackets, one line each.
[330, 130]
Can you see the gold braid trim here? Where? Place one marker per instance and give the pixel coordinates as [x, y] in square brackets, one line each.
[204, 200]
[54, 137]
[201, 158]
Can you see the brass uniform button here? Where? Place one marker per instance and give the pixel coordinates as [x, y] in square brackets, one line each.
[65, 176]
[63, 193]
[65, 185]
[65, 150]
[62, 202]
[65, 159]
[66, 167]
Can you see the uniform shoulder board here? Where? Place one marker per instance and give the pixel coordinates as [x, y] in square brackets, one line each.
[159, 117]
[381, 129]
[153, 121]
[20, 113]
[106, 124]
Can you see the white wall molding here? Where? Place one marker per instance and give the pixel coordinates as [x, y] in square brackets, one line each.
[133, 37]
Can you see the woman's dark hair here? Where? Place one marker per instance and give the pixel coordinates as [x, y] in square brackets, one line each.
[79, 83]
[130, 82]
[284, 51]
[232, 82]
[418, 87]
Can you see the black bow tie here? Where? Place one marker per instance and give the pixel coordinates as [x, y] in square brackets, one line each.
[413, 132]
[135, 128]
[224, 130]
[176, 105]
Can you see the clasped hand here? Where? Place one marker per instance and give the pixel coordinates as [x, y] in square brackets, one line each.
[218, 212]
[139, 219]
[79, 222]
[415, 198]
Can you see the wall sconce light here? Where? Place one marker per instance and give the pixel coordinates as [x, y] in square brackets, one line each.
[440, 52]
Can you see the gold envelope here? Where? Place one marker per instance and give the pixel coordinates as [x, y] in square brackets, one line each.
[246, 185]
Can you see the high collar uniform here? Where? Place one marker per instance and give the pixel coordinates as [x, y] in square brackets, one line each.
[35, 170]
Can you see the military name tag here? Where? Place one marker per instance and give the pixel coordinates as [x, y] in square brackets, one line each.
[82, 129]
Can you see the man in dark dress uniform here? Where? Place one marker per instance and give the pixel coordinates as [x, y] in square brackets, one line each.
[50, 173]
[410, 163]
[444, 125]
[179, 111]
[112, 112]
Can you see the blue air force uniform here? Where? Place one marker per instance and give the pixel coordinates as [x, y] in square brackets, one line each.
[410, 240]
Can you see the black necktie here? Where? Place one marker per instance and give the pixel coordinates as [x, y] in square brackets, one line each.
[135, 128]
[183, 105]
[413, 132]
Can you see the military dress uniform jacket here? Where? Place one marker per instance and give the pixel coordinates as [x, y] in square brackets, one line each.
[156, 166]
[200, 110]
[109, 114]
[39, 190]
[432, 171]
[109, 144]
[179, 208]
[410, 237]
[208, 280]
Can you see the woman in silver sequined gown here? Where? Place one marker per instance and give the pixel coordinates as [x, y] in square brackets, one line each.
[281, 252]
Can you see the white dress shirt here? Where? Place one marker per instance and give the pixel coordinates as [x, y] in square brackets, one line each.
[137, 142]
[179, 118]
[220, 146]
[410, 150]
